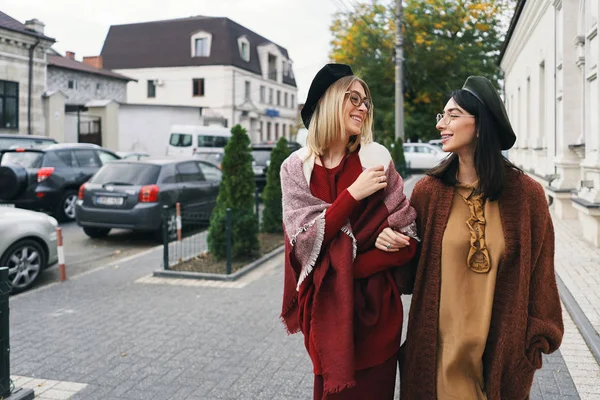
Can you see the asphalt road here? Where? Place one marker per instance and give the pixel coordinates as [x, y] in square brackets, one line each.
[83, 254]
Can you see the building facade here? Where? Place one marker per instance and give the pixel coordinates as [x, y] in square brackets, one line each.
[550, 61]
[233, 74]
[22, 75]
[82, 82]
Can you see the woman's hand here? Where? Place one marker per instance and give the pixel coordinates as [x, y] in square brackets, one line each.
[389, 240]
[368, 182]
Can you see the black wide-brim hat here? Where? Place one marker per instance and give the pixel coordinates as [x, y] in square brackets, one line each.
[326, 77]
[486, 93]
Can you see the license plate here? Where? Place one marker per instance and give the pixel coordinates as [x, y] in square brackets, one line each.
[258, 170]
[109, 201]
[7, 205]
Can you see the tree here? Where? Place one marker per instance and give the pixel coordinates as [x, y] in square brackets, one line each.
[445, 41]
[273, 211]
[237, 193]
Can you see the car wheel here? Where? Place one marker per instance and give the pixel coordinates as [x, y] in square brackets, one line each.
[96, 232]
[25, 260]
[171, 221]
[65, 211]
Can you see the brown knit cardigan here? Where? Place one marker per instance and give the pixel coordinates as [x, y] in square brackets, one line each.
[526, 313]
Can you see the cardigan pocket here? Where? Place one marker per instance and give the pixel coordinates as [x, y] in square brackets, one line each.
[517, 383]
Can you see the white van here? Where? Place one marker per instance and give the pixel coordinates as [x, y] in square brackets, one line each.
[186, 140]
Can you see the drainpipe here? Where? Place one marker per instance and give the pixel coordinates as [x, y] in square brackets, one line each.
[31, 50]
[554, 97]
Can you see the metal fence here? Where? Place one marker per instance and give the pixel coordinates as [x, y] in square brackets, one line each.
[185, 234]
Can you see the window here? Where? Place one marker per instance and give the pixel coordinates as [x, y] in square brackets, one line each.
[9, 105]
[247, 90]
[129, 173]
[201, 46]
[272, 67]
[270, 96]
[211, 173]
[180, 140]
[63, 158]
[189, 172]
[106, 157]
[245, 52]
[98, 86]
[262, 94]
[212, 141]
[283, 127]
[279, 97]
[87, 158]
[276, 131]
[283, 68]
[268, 131]
[285, 100]
[260, 130]
[72, 84]
[198, 87]
[151, 89]
[292, 105]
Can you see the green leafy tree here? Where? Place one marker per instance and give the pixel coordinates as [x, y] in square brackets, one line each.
[273, 211]
[237, 193]
[445, 41]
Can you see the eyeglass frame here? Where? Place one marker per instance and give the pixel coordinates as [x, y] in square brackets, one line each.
[441, 117]
[363, 100]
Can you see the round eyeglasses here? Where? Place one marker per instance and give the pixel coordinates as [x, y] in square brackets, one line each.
[357, 100]
[447, 118]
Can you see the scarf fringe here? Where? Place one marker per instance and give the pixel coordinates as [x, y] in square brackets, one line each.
[316, 250]
[348, 232]
[338, 388]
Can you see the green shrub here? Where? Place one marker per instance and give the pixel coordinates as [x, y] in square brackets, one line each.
[272, 213]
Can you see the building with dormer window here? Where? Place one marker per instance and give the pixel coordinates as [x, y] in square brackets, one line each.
[233, 74]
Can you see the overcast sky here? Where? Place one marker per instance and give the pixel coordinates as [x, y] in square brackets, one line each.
[301, 26]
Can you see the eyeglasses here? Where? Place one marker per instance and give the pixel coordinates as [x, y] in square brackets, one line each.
[357, 100]
[447, 118]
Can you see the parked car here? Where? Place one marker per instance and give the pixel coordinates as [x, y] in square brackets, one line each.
[132, 155]
[422, 156]
[11, 141]
[185, 140]
[27, 245]
[261, 153]
[130, 194]
[48, 179]
[436, 143]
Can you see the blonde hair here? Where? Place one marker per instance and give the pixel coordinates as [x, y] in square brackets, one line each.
[327, 122]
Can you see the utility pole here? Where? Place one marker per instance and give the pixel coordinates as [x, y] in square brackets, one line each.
[399, 60]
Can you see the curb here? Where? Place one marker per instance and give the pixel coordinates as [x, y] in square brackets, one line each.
[588, 332]
[219, 277]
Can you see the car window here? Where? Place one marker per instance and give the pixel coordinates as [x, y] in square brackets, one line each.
[58, 159]
[211, 173]
[87, 158]
[212, 141]
[127, 173]
[180, 140]
[189, 172]
[169, 176]
[408, 149]
[106, 157]
[26, 159]
[25, 142]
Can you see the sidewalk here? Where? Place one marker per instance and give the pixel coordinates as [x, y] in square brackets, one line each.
[118, 333]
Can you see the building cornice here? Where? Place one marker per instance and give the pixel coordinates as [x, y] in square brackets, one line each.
[528, 21]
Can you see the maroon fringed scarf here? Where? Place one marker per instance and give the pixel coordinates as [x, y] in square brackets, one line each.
[332, 293]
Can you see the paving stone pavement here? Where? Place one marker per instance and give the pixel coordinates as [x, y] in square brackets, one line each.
[127, 339]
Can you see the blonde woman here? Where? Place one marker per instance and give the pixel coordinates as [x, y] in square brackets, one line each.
[339, 193]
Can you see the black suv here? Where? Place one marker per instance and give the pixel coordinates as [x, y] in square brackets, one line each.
[261, 153]
[48, 179]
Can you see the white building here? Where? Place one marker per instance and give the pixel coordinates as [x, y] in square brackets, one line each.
[232, 73]
[22, 75]
[550, 60]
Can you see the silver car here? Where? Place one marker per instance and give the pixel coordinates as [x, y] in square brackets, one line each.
[27, 245]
